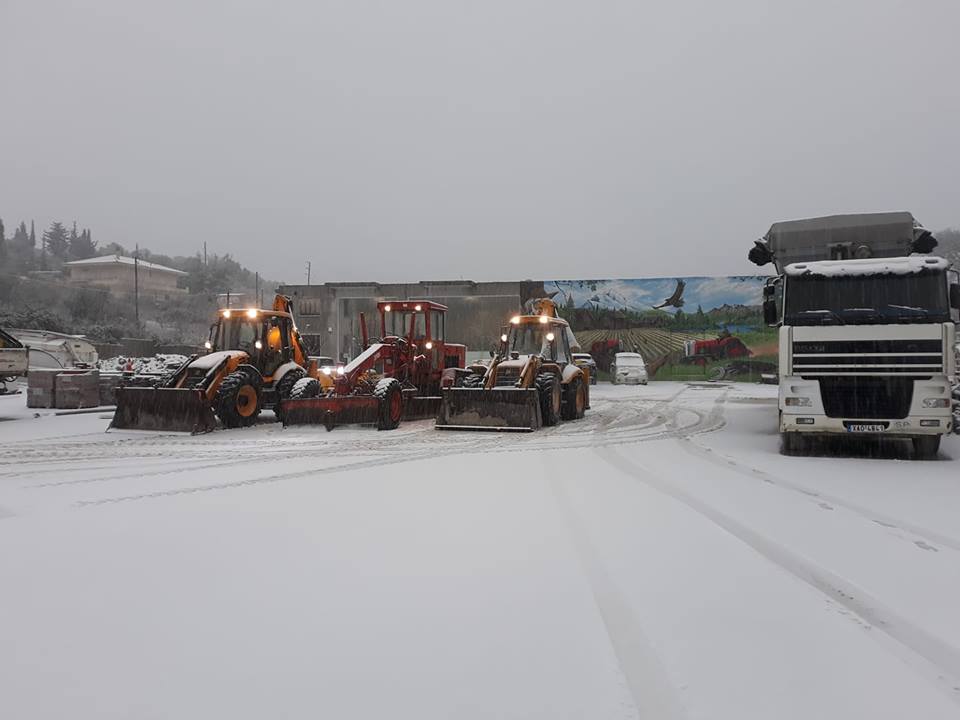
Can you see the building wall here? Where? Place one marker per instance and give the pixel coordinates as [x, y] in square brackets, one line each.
[119, 277]
[328, 315]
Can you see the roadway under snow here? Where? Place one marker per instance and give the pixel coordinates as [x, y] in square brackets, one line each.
[658, 559]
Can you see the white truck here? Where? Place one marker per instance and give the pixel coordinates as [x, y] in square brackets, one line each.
[14, 360]
[866, 322]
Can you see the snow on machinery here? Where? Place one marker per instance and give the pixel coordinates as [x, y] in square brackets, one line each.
[254, 358]
[531, 382]
[14, 360]
[866, 328]
[397, 376]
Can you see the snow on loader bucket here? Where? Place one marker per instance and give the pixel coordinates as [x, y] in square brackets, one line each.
[494, 409]
[170, 409]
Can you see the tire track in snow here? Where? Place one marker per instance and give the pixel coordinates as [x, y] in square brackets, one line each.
[931, 657]
[924, 534]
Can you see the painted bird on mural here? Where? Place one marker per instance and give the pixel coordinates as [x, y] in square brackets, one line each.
[675, 300]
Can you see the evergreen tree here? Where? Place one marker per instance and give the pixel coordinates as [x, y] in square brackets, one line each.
[3, 246]
[81, 246]
[33, 236]
[57, 240]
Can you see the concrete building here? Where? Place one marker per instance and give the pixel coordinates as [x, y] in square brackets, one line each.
[328, 314]
[118, 274]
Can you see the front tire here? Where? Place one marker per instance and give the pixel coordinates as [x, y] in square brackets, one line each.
[551, 398]
[239, 399]
[307, 387]
[926, 447]
[285, 389]
[574, 400]
[390, 399]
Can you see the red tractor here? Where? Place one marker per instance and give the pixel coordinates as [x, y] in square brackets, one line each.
[703, 352]
[398, 375]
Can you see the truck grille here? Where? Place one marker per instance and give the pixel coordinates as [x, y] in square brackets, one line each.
[918, 358]
[506, 377]
[866, 398]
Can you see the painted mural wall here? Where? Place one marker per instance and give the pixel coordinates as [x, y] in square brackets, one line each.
[691, 327]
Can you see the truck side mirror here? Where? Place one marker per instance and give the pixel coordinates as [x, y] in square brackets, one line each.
[955, 296]
[770, 315]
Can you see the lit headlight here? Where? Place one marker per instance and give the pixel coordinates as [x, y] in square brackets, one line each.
[515, 320]
[503, 338]
[417, 308]
[386, 308]
[326, 370]
[550, 337]
[340, 370]
[936, 402]
[252, 313]
[429, 346]
[544, 319]
[226, 313]
[258, 345]
[798, 402]
[207, 345]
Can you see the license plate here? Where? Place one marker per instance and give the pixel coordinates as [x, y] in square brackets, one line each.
[865, 428]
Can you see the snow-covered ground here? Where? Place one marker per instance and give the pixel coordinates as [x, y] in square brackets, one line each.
[658, 559]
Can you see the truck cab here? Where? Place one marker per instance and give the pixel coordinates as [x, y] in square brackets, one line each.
[865, 337]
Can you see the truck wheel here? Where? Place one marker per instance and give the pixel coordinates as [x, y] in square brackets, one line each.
[551, 398]
[926, 447]
[574, 400]
[307, 387]
[390, 399]
[238, 400]
[792, 443]
[285, 389]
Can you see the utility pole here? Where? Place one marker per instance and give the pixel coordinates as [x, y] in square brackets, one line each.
[256, 296]
[136, 285]
[308, 272]
[204, 253]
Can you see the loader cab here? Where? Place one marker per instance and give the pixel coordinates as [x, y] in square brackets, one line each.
[536, 335]
[265, 336]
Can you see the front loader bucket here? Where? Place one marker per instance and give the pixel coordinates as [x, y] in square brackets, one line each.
[170, 409]
[497, 409]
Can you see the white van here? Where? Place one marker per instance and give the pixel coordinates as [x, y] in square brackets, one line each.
[629, 369]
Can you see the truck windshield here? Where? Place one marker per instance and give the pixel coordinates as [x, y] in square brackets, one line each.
[818, 300]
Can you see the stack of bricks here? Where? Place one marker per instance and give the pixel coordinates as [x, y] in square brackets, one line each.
[40, 385]
[73, 391]
[108, 387]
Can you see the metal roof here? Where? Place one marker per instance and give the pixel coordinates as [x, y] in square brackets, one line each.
[123, 260]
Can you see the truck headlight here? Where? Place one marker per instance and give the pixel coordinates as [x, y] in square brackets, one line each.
[936, 402]
[798, 402]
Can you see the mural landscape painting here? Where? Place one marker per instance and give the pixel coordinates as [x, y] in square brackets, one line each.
[686, 327]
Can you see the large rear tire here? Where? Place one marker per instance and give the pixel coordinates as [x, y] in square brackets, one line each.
[551, 398]
[239, 399]
[574, 400]
[390, 398]
[926, 447]
[285, 389]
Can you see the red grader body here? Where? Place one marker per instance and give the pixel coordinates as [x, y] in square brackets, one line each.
[398, 375]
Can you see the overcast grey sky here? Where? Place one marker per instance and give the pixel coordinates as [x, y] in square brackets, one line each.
[415, 139]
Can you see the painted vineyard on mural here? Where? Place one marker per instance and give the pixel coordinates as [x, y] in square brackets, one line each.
[693, 327]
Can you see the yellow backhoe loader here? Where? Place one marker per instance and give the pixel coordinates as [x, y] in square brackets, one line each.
[531, 381]
[253, 359]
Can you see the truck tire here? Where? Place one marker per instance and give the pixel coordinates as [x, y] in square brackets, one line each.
[307, 387]
[926, 447]
[390, 400]
[574, 400]
[551, 398]
[238, 400]
[285, 389]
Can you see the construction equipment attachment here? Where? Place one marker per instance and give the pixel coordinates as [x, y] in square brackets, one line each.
[169, 409]
[497, 409]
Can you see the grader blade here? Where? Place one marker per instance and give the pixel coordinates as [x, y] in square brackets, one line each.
[502, 409]
[331, 411]
[163, 409]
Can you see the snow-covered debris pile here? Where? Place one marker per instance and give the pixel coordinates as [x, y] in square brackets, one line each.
[156, 365]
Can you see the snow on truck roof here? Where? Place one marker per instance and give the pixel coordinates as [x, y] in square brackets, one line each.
[871, 266]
